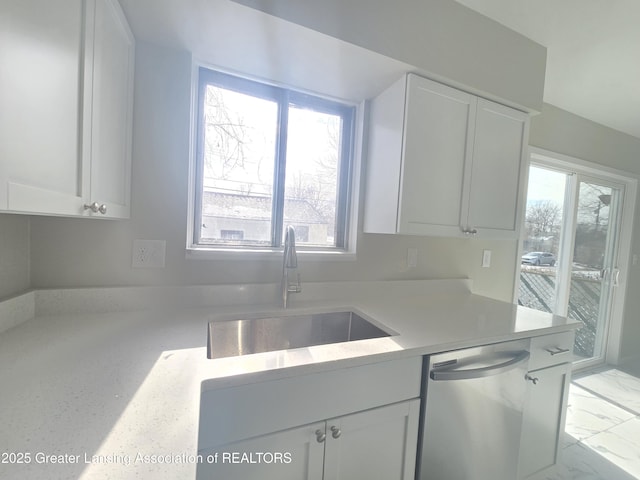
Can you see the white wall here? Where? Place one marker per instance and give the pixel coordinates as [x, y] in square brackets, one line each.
[439, 37]
[562, 132]
[80, 252]
[14, 255]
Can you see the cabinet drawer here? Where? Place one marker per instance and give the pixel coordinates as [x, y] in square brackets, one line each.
[549, 350]
[235, 413]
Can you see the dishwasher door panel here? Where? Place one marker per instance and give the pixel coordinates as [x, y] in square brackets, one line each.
[472, 417]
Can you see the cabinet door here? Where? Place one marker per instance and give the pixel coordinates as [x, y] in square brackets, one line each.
[439, 130]
[109, 138]
[41, 66]
[299, 453]
[501, 134]
[378, 443]
[544, 419]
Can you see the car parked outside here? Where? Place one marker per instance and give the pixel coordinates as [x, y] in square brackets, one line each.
[539, 258]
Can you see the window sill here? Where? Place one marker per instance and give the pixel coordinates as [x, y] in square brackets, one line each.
[267, 254]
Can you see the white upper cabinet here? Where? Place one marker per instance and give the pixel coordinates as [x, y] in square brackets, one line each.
[41, 72]
[109, 139]
[501, 136]
[443, 162]
[66, 83]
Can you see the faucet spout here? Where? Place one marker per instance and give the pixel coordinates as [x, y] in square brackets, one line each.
[289, 266]
[290, 255]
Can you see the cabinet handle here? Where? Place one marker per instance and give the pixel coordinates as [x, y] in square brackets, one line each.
[557, 350]
[95, 207]
[320, 436]
[533, 380]
[335, 432]
[470, 231]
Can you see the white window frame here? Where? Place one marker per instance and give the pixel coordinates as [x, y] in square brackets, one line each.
[213, 252]
[566, 163]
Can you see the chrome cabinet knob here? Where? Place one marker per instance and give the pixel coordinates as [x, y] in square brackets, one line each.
[320, 436]
[533, 380]
[95, 207]
[335, 432]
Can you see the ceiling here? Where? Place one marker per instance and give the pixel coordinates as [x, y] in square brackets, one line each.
[593, 53]
[593, 49]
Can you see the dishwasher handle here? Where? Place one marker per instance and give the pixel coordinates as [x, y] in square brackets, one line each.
[480, 372]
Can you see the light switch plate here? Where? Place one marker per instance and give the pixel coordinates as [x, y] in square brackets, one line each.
[486, 258]
[412, 257]
[148, 253]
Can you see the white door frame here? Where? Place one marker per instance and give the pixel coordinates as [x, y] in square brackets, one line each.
[630, 183]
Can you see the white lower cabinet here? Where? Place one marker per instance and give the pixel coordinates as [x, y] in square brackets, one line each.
[350, 423]
[377, 443]
[546, 404]
[293, 454]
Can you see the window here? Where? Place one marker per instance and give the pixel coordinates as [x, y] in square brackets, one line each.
[269, 157]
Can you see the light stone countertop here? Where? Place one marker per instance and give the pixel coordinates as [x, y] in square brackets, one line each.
[116, 394]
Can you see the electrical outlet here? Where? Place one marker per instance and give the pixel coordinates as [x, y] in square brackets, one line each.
[148, 253]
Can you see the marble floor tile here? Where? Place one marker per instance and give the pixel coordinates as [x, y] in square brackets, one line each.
[580, 462]
[602, 433]
[588, 415]
[619, 445]
[619, 387]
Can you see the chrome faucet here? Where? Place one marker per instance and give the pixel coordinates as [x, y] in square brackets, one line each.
[289, 266]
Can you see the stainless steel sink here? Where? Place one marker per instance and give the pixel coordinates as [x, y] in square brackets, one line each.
[266, 334]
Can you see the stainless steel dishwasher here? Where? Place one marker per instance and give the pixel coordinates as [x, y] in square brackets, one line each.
[471, 415]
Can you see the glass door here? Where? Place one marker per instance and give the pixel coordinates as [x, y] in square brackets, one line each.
[593, 274]
[570, 250]
[543, 239]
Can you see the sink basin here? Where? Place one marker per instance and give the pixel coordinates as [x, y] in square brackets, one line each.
[266, 334]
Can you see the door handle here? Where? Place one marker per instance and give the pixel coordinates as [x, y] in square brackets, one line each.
[604, 273]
